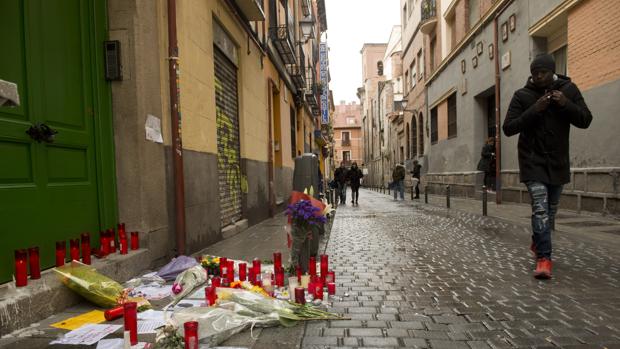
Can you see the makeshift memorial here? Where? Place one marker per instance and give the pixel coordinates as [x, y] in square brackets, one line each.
[98, 289]
[175, 267]
[306, 221]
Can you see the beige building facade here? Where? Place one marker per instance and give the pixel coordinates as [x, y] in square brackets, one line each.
[347, 125]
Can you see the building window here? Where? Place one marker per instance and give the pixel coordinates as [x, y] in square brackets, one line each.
[560, 60]
[412, 69]
[346, 138]
[431, 54]
[293, 133]
[434, 134]
[414, 138]
[421, 132]
[452, 116]
[350, 121]
[346, 157]
[420, 65]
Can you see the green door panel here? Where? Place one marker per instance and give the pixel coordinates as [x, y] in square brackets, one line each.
[53, 191]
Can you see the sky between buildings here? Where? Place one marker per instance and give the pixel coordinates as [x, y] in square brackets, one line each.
[350, 24]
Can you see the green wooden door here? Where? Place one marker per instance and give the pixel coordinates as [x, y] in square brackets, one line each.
[50, 191]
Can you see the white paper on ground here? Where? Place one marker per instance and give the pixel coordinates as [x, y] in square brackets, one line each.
[117, 343]
[87, 335]
[156, 315]
[152, 291]
[149, 326]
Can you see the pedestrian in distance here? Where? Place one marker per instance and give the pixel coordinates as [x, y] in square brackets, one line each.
[355, 179]
[398, 180]
[340, 175]
[487, 163]
[415, 174]
[542, 113]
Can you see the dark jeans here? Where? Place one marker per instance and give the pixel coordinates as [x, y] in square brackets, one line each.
[545, 201]
[342, 192]
[399, 187]
[355, 193]
[416, 184]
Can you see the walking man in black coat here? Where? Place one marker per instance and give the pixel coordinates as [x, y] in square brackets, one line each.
[542, 113]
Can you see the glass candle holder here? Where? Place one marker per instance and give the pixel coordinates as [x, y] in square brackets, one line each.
[61, 253]
[85, 248]
[131, 321]
[312, 266]
[121, 228]
[280, 277]
[111, 240]
[318, 290]
[21, 268]
[122, 242]
[35, 263]
[103, 244]
[331, 288]
[242, 271]
[324, 266]
[300, 295]
[216, 281]
[231, 271]
[74, 249]
[114, 313]
[331, 277]
[223, 264]
[191, 334]
[298, 272]
[251, 276]
[135, 240]
[277, 260]
[224, 271]
[257, 267]
[210, 295]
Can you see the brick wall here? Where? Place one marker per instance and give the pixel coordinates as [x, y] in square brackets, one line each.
[593, 43]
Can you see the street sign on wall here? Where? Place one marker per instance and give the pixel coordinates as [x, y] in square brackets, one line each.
[324, 76]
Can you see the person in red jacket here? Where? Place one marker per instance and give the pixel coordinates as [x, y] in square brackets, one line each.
[542, 113]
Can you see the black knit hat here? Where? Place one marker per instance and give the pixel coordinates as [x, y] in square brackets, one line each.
[543, 61]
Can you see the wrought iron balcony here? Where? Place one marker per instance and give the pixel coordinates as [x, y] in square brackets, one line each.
[429, 16]
[281, 38]
[312, 91]
[297, 74]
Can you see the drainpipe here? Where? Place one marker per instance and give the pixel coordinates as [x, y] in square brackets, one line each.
[498, 145]
[175, 116]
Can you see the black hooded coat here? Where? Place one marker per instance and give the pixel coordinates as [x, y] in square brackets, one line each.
[544, 136]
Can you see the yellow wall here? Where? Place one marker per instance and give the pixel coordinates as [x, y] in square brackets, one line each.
[195, 35]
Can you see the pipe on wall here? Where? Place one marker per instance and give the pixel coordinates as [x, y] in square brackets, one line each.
[498, 129]
[175, 116]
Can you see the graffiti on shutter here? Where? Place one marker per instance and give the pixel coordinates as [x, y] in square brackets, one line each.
[228, 155]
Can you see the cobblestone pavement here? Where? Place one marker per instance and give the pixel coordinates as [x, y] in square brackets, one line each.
[421, 276]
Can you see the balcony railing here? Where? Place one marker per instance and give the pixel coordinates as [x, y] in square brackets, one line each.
[297, 71]
[312, 92]
[428, 16]
[345, 142]
[281, 39]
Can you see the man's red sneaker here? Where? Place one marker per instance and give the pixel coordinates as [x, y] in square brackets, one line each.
[543, 268]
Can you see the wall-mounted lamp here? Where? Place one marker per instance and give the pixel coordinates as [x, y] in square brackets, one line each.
[307, 28]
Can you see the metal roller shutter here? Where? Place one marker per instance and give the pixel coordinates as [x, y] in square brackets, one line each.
[228, 154]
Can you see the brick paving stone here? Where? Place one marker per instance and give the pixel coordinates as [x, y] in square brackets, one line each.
[458, 336]
[380, 342]
[449, 319]
[436, 327]
[414, 325]
[351, 341]
[442, 344]
[561, 341]
[528, 342]
[478, 345]
[376, 324]
[365, 332]
[346, 323]
[429, 334]
[415, 343]
[332, 332]
[473, 327]
[320, 341]
[397, 332]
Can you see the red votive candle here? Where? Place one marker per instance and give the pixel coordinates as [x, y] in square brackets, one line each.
[21, 268]
[114, 313]
[324, 266]
[318, 290]
[242, 271]
[216, 281]
[111, 240]
[277, 260]
[231, 271]
[103, 244]
[191, 334]
[74, 249]
[331, 288]
[256, 266]
[130, 312]
[85, 248]
[61, 253]
[280, 277]
[210, 295]
[135, 240]
[35, 263]
[121, 228]
[331, 276]
[312, 266]
[298, 271]
[223, 265]
[252, 276]
[300, 296]
[122, 242]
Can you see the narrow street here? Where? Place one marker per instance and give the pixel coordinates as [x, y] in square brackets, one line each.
[414, 275]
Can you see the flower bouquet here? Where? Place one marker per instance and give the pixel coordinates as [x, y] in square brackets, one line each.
[211, 264]
[306, 221]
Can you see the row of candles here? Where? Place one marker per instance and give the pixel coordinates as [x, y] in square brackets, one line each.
[29, 258]
[297, 284]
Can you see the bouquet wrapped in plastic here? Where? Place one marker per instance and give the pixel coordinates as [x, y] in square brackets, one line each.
[97, 288]
[175, 267]
[187, 281]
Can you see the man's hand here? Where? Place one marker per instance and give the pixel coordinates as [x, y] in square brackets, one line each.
[558, 97]
[543, 102]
